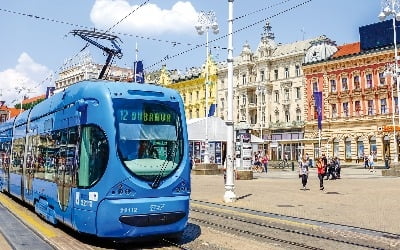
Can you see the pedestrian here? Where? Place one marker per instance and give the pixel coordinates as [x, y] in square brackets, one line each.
[265, 160]
[387, 161]
[321, 172]
[371, 166]
[303, 172]
[366, 165]
[325, 162]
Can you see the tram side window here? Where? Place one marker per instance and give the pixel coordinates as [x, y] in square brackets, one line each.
[5, 155]
[49, 163]
[93, 156]
[40, 148]
[18, 155]
[32, 162]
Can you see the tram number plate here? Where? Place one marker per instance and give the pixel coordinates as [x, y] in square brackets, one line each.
[124, 210]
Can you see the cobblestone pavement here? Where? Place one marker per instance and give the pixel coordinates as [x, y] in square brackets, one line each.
[360, 198]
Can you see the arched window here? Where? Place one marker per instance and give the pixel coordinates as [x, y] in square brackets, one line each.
[372, 146]
[348, 148]
[360, 148]
[336, 147]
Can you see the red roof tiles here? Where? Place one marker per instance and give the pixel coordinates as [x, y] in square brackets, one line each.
[347, 49]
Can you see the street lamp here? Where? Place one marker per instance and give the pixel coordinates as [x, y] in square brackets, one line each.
[206, 21]
[229, 195]
[261, 93]
[392, 9]
[391, 70]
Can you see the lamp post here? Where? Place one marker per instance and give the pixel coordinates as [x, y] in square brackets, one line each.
[391, 8]
[206, 21]
[390, 70]
[230, 195]
[261, 93]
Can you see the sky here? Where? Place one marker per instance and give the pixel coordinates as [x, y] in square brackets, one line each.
[36, 39]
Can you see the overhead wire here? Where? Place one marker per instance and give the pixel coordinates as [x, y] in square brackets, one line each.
[173, 43]
[168, 57]
[50, 76]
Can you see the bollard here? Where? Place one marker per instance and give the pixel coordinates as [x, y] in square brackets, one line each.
[292, 166]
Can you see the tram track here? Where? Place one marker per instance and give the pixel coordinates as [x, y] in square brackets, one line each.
[290, 232]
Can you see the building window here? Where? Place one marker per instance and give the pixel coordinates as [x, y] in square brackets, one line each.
[190, 114]
[373, 148]
[357, 84]
[336, 147]
[197, 95]
[370, 107]
[344, 84]
[276, 74]
[348, 148]
[297, 70]
[334, 111]
[262, 75]
[382, 79]
[277, 115]
[197, 113]
[3, 117]
[286, 72]
[383, 106]
[396, 106]
[346, 109]
[244, 79]
[315, 86]
[333, 85]
[369, 81]
[287, 95]
[277, 96]
[298, 115]
[287, 116]
[357, 108]
[244, 99]
[298, 93]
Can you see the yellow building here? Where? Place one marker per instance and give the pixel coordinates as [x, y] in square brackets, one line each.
[191, 86]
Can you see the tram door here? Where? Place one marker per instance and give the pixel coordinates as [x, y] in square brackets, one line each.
[63, 166]
[66, 161]
[29, 166]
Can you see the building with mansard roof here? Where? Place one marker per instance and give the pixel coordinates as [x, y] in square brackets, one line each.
[269, 92]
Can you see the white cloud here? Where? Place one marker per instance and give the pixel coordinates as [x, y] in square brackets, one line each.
[27, 74]
[148, 19]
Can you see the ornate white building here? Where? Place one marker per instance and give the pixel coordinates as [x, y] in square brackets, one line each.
[269, 93]
[82, 67]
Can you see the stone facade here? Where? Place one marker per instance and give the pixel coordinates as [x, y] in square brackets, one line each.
[83, 68]
[269, 93]
[191, 86]
[358, 104]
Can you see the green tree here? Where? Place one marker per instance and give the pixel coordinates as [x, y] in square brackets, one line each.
[30, 105]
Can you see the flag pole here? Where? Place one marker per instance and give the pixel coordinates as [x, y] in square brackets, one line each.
[135, 64]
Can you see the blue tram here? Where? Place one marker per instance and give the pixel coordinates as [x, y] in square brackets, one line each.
[104, 158]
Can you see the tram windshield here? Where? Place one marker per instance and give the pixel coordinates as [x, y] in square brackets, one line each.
[149, 137]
